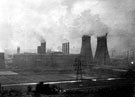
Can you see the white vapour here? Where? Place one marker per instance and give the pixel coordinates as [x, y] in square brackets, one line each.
[88, 24]
[28, 22]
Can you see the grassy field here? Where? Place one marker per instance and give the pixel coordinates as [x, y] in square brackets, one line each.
[30, 77]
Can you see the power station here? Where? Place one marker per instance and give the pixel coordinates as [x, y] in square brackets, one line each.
[63, 63]
[64, 60]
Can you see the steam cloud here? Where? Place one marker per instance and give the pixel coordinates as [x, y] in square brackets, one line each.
[88, 24]
[26, 23]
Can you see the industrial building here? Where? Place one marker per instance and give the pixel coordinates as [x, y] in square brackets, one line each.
[64, 60]
[65, 48]
[42, 48]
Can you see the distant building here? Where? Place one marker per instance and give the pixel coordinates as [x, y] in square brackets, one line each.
[57, 52]
[65, 48]
[42, 48]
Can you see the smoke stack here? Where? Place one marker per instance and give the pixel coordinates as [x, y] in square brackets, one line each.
[18, 50]
[65, 48]
[2, 60]
[68, 48]
[102, 55]
[39, 50]
[86, 52]
[43, 47]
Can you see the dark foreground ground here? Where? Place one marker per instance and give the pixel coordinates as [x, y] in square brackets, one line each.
[12, 85]
[117, 91]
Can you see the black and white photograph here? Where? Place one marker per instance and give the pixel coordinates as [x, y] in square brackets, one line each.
[67, 48]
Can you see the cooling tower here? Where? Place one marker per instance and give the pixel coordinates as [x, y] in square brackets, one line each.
[102, 55]
[86, 51]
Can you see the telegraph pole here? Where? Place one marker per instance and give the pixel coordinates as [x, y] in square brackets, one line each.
[78, 68]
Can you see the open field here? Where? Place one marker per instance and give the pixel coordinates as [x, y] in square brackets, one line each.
[29, 76]
[15, 77]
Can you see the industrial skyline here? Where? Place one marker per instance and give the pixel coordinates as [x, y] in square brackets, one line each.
[27, 23]
[67, 47]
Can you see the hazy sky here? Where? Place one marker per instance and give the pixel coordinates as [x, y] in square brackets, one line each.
[25, 23]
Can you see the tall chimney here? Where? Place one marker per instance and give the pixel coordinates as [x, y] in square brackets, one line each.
[43, 47]
[2, 60]
[39, 50]
[102, 55]
[18, 50]
[86, 51]
[68, 48]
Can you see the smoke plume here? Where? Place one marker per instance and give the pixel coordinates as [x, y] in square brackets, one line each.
[28, 22]
[88, 24]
